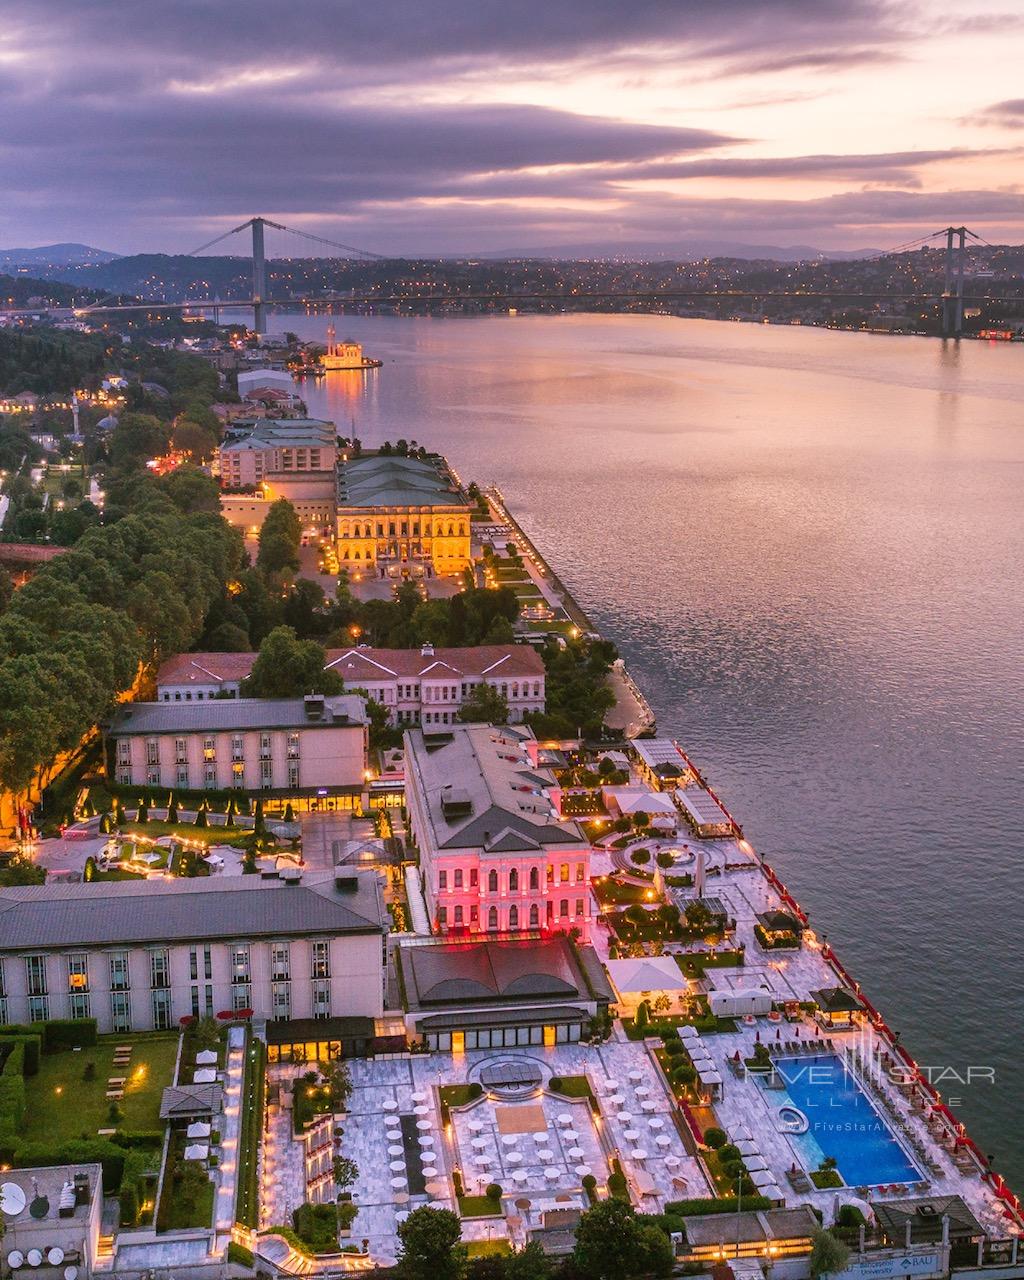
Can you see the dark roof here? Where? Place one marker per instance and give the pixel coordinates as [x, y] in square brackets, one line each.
[770, 1224]
[925, 1215]
[779, 922]
[452, 973]
[837, 1000]
[220, 714]
[182, 1101]
[516, 1017]
[296, 1029]
[42, 917]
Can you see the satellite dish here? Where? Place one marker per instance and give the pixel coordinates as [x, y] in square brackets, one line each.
[55, 1256]
[12, 1199]
[15, 1259]
[70, 1273]
[34, 1257]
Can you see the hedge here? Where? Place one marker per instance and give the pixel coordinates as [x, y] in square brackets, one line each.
[78, 1151]
[32, 1043]
[69, 1033]
[728, 1204]
[12, 1092]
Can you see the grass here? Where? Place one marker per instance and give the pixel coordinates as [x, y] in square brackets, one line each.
[457, 1095]
[183, 1204]
[62, 1105]
[118, 873]
[824, 1179]
[478, 1207]
[572, 1086]
[488, 1248]
[186, 831]
[247, 1199]
[611, 892]
[694, 964]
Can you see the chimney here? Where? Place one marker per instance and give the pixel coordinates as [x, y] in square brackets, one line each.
[427, 651]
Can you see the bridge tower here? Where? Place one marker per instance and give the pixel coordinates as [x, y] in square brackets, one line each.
[259, 270]
[953, 285]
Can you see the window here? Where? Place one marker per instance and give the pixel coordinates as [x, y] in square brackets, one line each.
[266, 772]
[124, 751]
[152, 750]
[442, 881]
[280, 1001]
[458, 915]
[35, 975]
[264, 746]
[549, 873]
[180, 746]
[194, 991]
[153, 777]
[237, 747]
[563, 873]
[473, 878]
[321, 959]
[119, 977]
[513, 917]
[492, 882]
[580, 872]
[492, 918]
[280, 962]
[120, 1011]
[293, 746]
[238, 773]
[293, 775]
[159, 969]
[458, 879]
[563, 907]
[161, 1010]
[442, 917]
[79, 1004]
[240, 995]
[321, 998]
[534, 878]
[209, 749]
[210, 775]
[38, 1008]
[78, 972]
[579, 906]
[208, 997]
[513, 881]
[240, 964]
[534, 917]
[474, 916]
[182, 775]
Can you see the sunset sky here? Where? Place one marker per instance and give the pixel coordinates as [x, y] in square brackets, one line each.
[448, 126]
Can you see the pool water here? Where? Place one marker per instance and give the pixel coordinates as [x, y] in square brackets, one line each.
[843, 1122]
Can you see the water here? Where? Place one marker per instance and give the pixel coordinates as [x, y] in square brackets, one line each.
[843, 1123]
[809, 547]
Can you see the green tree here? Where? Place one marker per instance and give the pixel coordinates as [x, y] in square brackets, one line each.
[279, 540]
[611, 1242]
[287, 667]
[829, 1255]
[346, 1172]
[528, 1263]
[485, 704]
[430, 1245]
[137, 438]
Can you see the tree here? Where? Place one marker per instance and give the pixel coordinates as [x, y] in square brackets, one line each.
[287, 667]
[485, 704]
[280, 537]
[430, 1245]
[346, 1172]
[338, 1079]
[698, 916]
[829, 1255]
[611, 1241]
[137, 438]
[227, 638]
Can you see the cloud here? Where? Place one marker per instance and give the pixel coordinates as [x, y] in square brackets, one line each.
[1009, 112]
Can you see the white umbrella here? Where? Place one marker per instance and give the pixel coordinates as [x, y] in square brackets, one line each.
[396, 1166]
[642, 1091]
[583, 1170]
[34, 1257]
[198, 1129]
[656, 1122]
[577, 1153]
[638, 1153]
[398, 1183]
[509, 1139]
[689, 1033]
[755, 1164]
[390, 1105]
[541, 1136]
[426, 1139]
[648, 1106]
[519, 1175]
[205, 1075]
[479, 1144]
[663, 1140]
[761, 1178]
[396, 1150]
[514, 1157]
[636, 1076]
[631, 1135]
[673, 1162]
[617, 1100]
[747, 1147]
[423, 1125]
[197, 1151]
[740, 1133]
[625, 1116]
[570, 1135]
[565, 1119]
[545, 1156]
[55, 1256]
[475, 1126]
[206, 1058]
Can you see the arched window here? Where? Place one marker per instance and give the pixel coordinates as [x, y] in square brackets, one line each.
[534, 878]
[492, 918]
[513, 881]
[492, 882]
[513, 917]
[534, 917]
[563, 907]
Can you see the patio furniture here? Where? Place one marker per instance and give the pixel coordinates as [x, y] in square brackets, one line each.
[117, 1082]
[397, 1166]
[617, 1100]
[545, 1156]
[638, 1154]
[576, 1153]
[631, 1135]
[582, 1170]
[642, 1091]
[429, 1171]
[115, 1095]
[663, 1140]
[672, 1162]
[648, 1106]
[390, 1105]
[656, 1122]
[479, 1144]
[509, 1139]
[552, 1175]
[625, 1116]
[475, 1126]
[570, 1135]
[514, 1157]
[564, 1119]
[519, 1175]
[541, 1137]
[424, 1126]
[398, 1183]
[421, 1110]
[419, 1096]
[395, 1150]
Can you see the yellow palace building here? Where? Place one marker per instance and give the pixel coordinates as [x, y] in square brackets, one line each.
[401, 517]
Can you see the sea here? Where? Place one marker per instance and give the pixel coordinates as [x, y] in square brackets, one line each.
[808, 545]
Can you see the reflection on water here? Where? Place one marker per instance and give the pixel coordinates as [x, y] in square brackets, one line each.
[809, 547]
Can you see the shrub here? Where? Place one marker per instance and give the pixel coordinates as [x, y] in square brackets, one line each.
[493, 1191]
[714, 1138]
[683, 1073]
[727, 1204]
[664, 860]
[475, 1090]
[347, 1212]
[128, 1199]
[729, 1152]
[316, 1225]
[555, 1084]
[617, 1183]
[89, 1073]
[240, 1255]
[69, 1033]
[31, 1042]
[589, 1182]
[641, 856]
[675, 1048]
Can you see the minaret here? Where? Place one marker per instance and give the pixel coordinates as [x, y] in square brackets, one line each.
[330, 339]
[74, 411]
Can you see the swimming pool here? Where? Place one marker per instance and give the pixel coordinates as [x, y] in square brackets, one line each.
[844, 1123]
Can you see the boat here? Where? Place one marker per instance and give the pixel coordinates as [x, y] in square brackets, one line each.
[346, 354]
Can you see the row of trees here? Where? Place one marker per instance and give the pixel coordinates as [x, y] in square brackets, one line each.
[125, 596]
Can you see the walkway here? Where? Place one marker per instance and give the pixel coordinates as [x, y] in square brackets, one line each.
[224, 1208]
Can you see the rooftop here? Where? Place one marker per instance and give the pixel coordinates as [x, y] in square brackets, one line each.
[358, 665]
[276, 433]
[500, 804]
[153, 911]
[221, 714]
[42, 1189]
[394, 481]
[514, 970]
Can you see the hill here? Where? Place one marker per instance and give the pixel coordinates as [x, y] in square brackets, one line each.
[54, 255]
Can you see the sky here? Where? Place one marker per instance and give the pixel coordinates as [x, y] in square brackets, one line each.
[486, 126]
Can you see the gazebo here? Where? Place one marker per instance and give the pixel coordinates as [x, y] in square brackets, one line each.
[838, 1006]
[778, 929]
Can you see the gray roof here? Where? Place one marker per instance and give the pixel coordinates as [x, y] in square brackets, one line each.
[135, 913]
[925, 1214]
[180, 1101]
[221, 714]
[490, 972]
[268, 433]
[500, 803]
[394, 481]
[769, 1224]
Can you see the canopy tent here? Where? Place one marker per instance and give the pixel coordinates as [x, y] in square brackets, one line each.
[647, 973]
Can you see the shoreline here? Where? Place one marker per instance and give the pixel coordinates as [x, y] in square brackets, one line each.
[906, 1064]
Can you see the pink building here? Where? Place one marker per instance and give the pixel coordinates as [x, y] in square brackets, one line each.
[494, 857]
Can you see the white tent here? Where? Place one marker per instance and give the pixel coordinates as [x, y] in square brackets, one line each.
[197, 1129]
[630, 800]
[206, 1058]
[762, 1178]
[197, 1151]
[649, 973]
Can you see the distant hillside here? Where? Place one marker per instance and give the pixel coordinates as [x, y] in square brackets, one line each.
[54, 255]
[21, 291]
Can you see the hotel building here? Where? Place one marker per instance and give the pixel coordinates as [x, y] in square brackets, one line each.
[313, 745]
[402, 517]
[417, 686]
[494, 858]
[295, 949]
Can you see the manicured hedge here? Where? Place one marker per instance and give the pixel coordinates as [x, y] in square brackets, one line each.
[69, 1033]
[12, 1092]
[32, 1042]
[728, 1204]
[28, 1155]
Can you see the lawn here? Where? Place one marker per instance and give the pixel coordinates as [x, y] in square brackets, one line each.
[694, 963]
[188, 1193]
[572, 1086]
[478, 1207]
[488, 1248]
[457, 1095]
[63, 1105]
[186, 831]
[611, 892]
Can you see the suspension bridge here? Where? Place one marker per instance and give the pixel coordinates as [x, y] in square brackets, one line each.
[957, 241]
